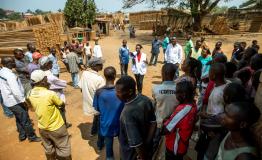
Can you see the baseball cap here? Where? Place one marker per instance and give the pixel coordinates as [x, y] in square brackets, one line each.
[44, 60]
[37, 76]
[96, 61]
[37, 55]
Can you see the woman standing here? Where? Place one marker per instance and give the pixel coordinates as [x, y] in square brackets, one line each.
[139, 66]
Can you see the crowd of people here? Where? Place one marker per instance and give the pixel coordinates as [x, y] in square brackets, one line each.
[216, 102]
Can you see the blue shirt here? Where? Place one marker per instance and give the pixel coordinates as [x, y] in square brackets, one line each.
[55, 69]
[205, 66]
[124, 55]
[110, 108]
[155, 46]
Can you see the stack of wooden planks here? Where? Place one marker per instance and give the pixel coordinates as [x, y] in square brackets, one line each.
[219, 25]
[43, 36]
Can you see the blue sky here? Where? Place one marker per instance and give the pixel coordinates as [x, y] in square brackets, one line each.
[54, 5]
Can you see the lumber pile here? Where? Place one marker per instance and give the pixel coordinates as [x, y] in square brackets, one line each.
[43, 36]
[256, 24]
[219, 25]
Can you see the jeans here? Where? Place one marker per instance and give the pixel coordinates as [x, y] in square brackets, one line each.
[96, 130]
[153, 59]
[23, 122]
[124, 68]
[75, 80]
[139, 82]
[109, 141]
[6, 110]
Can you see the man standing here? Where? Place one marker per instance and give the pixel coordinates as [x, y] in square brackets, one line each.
[29, 54]
[21, 69]
[155, 50]
[73, 65]
[110, 108]
[88, 52]
[165, 44]
[34, 65]
[13, 95]
[51, 125]
[55, 69]
[89, 83]
[174, 53]
[137, 121]
[124, 58]
[97, 50]
[165, 99]
[189, 45]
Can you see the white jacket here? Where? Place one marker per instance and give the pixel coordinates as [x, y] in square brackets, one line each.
[139, 67]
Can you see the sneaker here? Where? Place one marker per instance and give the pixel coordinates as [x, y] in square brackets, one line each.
[36, 139]
[22, 139]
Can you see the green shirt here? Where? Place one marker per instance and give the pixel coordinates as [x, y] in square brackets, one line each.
[188, 47]
[165, 43]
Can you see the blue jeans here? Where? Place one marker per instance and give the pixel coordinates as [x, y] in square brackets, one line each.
[23, 122]
[6, 110]
[75, 79]
[109, 141]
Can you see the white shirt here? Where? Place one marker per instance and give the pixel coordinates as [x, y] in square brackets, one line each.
[174, 54]
[11, 88]
[140, 67]
[89, 82]
[98, 51]
[216, 102]
[87, 50]
[165, 100]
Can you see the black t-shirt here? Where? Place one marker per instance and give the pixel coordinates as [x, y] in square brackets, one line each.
[135, 120]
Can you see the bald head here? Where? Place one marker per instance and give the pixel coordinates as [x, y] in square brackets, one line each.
[110, 73]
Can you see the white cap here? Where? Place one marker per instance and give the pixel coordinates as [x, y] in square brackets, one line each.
[37, 76]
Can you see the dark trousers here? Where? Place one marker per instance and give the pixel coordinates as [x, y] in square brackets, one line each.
[124, 68]
[153, 59]
[95, 130]
[139, 82]
[170, 156]
[23, 122]
[109, 141]
[164, 52]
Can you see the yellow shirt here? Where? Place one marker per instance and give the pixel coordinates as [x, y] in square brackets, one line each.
[45, 103]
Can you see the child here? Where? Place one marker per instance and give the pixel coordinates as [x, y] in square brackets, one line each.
[234, 92]
[238, 142]
[207, 145]
[181, 123]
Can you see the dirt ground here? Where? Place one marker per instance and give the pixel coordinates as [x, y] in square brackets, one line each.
[84, 146]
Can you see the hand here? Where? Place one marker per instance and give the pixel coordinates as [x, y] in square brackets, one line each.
[203, 115]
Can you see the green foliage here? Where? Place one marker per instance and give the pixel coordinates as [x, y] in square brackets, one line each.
[79, 12]
[219, 10]
[2, 14]
[15, 16]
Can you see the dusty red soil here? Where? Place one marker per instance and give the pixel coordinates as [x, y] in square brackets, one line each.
[83, 146]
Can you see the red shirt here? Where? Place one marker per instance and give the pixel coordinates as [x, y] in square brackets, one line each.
[184, 128]
[210, 87]
[138, 56]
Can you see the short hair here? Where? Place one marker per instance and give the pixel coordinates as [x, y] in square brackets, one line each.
[186, 87]
[127, 82]
[256, 62]
[110, 73]
[218, 69]
[220, 58]
[139, 46]
[17, 50]
[231, 68]
[169, 69]
[6, 61]
[235, 92]
[247, 112]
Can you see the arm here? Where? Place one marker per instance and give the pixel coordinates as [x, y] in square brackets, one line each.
[180, 55]
[57, 101]
[15, 88]
[59, 82]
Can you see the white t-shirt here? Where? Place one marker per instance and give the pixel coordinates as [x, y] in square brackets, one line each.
[140, 67]
[98, 51]
[87, 50]
[89, 82]
[216, 102]
[174, 54]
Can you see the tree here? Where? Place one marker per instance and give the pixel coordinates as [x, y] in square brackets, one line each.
[29, 11]
[219, 10]
[59, 10]
[2, 14]
[39, 11]
[15, 16]
[254, 3]
[198, 8]
[79, 12]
